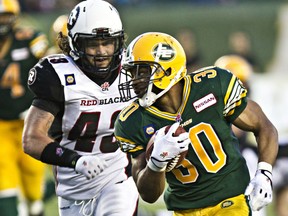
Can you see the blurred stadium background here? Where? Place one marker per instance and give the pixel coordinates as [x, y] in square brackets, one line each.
[212, 21]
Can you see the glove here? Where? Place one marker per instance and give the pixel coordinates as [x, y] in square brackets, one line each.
[166, 147]
[259, 190]
[90, 166]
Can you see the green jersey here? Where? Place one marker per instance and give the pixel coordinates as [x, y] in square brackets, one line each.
[22, 51]
[214, 168]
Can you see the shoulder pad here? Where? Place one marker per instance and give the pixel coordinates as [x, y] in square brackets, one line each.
[44, 82]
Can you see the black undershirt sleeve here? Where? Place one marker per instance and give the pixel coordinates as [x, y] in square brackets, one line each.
[46, 87]
[46, 105]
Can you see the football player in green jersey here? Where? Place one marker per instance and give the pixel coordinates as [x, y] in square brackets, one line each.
[213, 179]
[20, 49]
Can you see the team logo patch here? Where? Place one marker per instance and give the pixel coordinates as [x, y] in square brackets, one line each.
[226, 204]
[204, 102]
[70, 79]
[59, 152]
[164, 52]
[105, 86]
[149, 130]
[164, 155]
[178, 118]
[32, 76]
[73, 18]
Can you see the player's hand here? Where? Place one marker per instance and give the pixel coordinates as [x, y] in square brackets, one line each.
[90, 166]
[259, 190]
[167, 147]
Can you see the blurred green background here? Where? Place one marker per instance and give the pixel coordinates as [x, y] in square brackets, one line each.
[211, 24]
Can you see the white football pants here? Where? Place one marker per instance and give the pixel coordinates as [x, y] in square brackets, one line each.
[116, 200]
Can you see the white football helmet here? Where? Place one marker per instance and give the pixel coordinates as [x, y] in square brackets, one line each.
[92, 20]
[153, 63]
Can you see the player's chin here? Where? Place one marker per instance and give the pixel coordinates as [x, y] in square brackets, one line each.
[139, 93]
[139, 89]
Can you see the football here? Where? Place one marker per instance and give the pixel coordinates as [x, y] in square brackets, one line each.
[174, 162]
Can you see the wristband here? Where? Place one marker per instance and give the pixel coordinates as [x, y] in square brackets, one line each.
[155, 168]
[265, 166]
[55, 154]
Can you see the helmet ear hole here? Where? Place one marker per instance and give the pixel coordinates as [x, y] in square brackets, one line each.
[168, 71]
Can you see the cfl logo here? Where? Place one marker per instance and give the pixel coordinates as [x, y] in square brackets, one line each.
[163, 52]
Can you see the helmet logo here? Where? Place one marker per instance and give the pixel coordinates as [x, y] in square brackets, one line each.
[73, 18]
[163, 52]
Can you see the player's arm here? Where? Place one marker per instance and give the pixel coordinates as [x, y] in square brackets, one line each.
[259, 190]
[253, 119]
[150, 177]
[36, 127]
[45, 84]
[49, 97]
[150, 184]
[39, 145]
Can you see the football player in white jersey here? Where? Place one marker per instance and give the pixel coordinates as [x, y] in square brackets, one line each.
[70, 123]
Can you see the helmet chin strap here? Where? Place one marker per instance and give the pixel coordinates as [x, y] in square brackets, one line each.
[150, 97]
[73, 55]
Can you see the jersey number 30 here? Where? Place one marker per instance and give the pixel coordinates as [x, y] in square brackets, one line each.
[210, 166]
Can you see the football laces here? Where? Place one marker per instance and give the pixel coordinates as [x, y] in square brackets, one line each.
[172, 163]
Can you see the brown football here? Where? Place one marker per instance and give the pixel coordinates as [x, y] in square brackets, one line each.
[173, 163]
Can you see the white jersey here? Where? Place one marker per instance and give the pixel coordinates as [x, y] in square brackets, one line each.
[87, 128]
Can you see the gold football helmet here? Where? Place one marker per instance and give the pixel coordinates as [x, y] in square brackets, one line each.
[59, 25]
[153, 63]
[9, 6]
[239, 66]
[9, 10]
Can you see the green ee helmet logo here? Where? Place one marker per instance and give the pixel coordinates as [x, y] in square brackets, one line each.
[163, 52]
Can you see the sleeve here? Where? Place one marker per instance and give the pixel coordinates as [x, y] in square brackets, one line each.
[48, 106]
[45, 84]
[125, 141]
[128, 134]
[234, 95]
